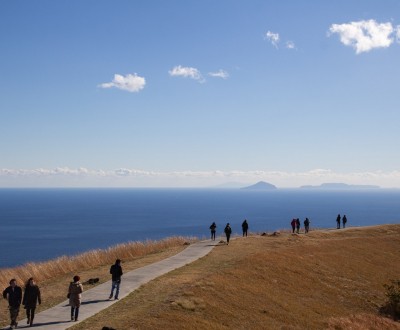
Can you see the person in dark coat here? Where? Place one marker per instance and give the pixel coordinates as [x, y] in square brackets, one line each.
[228, 232]
[298, 225]
[75, 297]
[245, 227]
[213, 229]
[344, 221]
[306, 225]
[13, 294]
[30, 300]
[293, 224]
[338, 221]
[116, 273]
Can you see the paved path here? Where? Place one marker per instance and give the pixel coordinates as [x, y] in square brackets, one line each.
[96, 299]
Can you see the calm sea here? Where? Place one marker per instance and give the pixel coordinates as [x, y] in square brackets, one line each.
[40, 224]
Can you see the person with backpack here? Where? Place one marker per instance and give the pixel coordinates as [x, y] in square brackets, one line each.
[228, 232]
[116, 273]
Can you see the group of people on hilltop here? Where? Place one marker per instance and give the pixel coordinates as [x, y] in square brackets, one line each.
[32, 296]
[295, 223]
[228, 230]
[344, 221]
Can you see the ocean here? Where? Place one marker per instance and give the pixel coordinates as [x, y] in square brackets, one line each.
[41, 224]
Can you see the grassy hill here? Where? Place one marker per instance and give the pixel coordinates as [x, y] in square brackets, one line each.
[328, 279]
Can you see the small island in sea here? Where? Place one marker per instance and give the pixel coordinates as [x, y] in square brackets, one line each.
[261, 186]
[340, 186]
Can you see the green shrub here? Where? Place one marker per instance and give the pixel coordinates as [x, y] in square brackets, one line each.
[393, 294]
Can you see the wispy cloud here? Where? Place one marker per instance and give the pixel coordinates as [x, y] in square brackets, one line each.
[290, 45]
[130, 82]
[125, 177]
[273, 38]
[364, 36]
[398, 33]
[186, 72]
[219, 74]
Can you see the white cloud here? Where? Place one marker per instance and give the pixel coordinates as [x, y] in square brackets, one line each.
[130, 82]
[125, 177]
[364, 36]
[272, 37]
[219, 74]
[186, 72]
[290, 45]
[398, 33]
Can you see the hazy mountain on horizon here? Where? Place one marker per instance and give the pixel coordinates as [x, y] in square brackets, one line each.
[261, 185]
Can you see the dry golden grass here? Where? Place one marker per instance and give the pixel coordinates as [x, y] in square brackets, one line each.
[54, 276]
[324, 280]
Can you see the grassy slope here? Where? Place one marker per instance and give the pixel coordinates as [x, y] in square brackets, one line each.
[54, 290]
[327, 279]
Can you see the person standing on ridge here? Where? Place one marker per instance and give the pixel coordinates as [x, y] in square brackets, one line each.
[75, 297]
[306, 225]
[228, 232]
[298, 225]
[344, 221]
[338, 221]
[245, 227]
[13, 294]
[213, 229]
[116, 273]
[31, 298]
[293, 224]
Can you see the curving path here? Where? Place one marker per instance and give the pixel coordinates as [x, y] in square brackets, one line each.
[96, 299]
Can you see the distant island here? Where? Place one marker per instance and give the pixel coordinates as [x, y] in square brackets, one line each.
[340, 186]
[261, 186]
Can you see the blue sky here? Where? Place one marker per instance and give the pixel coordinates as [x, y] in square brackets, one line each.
[199, 93]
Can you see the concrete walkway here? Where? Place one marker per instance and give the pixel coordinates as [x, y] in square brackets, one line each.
[96, 299]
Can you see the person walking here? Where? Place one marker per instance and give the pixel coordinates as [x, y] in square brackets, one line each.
[298, 225]
[344, 221]
[116, 273]
[293, 224]
[75, 297]
[245, 227]
[228, 232]
[31, 298]
[338, 221]
[213, 229]
[13, 294]
[306, 225]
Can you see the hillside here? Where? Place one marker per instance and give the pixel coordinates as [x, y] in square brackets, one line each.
[329, 279]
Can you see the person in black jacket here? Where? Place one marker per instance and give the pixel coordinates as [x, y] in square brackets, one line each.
[116, 273]
[213, 229]
[228, 232]
[13, 294]
[245, 227]
[31, 298]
